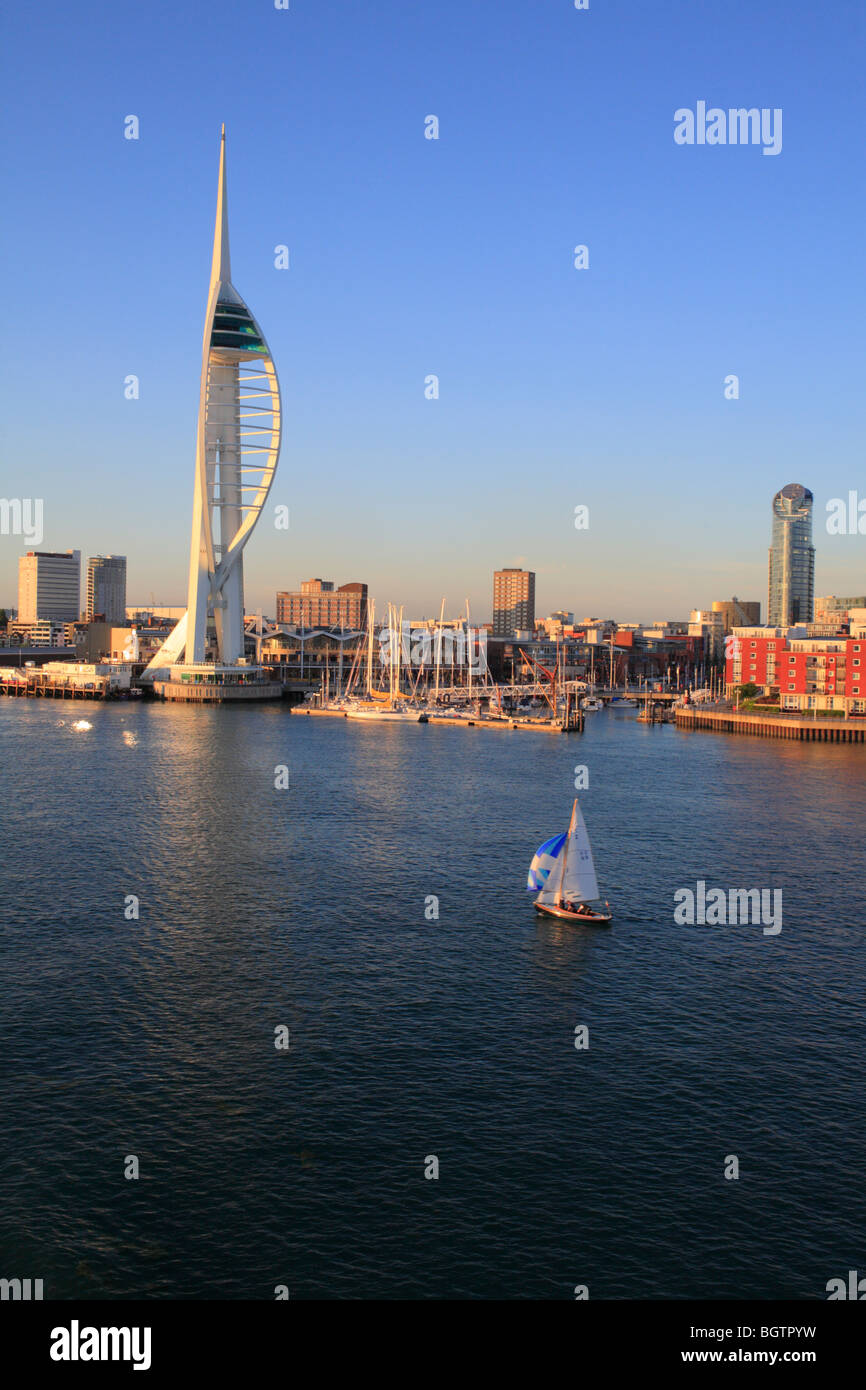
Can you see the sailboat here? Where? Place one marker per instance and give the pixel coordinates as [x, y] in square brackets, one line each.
[386, 707]
[563, 871]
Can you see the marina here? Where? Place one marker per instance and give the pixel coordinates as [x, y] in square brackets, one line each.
[465, 721]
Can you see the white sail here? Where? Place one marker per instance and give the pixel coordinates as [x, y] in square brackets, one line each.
[573, 877]
[580, 880]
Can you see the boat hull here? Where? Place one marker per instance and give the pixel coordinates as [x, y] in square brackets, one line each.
[386, 716]
[594, 918]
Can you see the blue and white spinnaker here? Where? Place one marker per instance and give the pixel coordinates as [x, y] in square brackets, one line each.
[543, 861]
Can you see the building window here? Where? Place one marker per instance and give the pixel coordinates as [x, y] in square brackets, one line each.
[790, 687]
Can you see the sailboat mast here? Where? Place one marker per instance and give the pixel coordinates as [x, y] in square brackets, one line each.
[399, 646]
[558, 900]
[392, 623]
[439, 647]
[468, 648]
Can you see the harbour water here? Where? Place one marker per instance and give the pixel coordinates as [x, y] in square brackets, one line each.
[304, 907]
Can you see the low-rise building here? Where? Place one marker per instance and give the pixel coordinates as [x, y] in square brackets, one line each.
[41, 632]
[109, 642]
[87, 675]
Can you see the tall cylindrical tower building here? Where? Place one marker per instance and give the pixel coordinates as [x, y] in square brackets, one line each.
[792, 558]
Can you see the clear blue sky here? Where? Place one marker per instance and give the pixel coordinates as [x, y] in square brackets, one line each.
[454, 257]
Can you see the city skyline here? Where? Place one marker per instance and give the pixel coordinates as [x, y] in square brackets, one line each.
[542, 609]
[607, 382]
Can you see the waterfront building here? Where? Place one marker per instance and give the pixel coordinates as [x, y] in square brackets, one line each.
[513, 602]
[88, 675]
[737, 612]
[319, 604]
[791, 584]
[237, 449]
[800, 671]
[106, 588]
[49, 586]
[309, 654]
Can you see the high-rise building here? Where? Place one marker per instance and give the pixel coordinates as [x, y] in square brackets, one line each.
[738, 612]
[513, 602]
[792, 558]
[106, 588]
[319, 604]
[49, 586]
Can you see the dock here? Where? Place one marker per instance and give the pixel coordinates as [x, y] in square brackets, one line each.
[820, 730]
[467, 721]
[37, 685]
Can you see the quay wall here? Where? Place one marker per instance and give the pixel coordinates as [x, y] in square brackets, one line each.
[810, 730]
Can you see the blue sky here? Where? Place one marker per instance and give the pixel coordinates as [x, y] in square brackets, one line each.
[558, 387]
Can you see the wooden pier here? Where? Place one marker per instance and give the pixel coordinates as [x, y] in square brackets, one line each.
[38, 686]
[811, 730]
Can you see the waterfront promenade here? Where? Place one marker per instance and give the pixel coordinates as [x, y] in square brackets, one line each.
[820, 730]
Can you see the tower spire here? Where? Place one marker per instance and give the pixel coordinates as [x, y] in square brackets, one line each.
[221, 269]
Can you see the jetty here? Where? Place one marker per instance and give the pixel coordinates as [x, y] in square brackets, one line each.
[94, 683]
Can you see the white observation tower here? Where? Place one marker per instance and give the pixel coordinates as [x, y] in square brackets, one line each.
[237, 449]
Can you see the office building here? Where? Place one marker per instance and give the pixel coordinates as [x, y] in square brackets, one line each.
[49, 586]
[106, 588]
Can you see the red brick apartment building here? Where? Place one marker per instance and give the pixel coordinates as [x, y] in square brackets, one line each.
[806, 673]
[319, 604]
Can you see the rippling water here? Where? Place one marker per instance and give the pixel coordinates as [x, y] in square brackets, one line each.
[306, 908]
